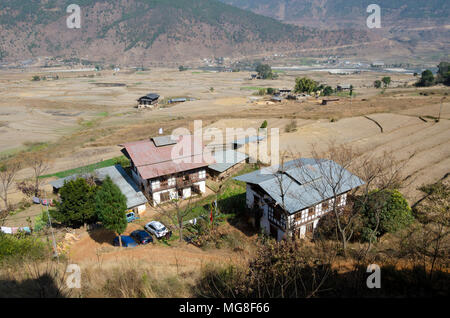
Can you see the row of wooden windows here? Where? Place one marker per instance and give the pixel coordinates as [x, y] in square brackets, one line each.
[311, 211]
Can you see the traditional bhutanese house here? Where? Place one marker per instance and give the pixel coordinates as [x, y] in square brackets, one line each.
[136, 200]
[343, 87]
[284, 91]
[291, 200]
[148, 101]
[162, 173]
[226, 163]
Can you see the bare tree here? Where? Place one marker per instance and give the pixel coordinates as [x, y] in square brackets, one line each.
[40, 164]
[332, 172]
[8, 171]
[283, 183]
[176, 210]
[428, 240]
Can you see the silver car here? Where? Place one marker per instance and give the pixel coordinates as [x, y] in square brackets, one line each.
[156, 228]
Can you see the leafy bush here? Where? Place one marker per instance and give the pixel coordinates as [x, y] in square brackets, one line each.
[21, 246]
[264, 124]
[292, 126]
[327, 91]
[392, 210]
[40, 221]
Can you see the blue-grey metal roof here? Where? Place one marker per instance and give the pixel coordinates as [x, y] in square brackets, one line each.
[305, 182]
[58, 184]
[163, 141]
[227, 159]
[247, 140]
[119, 177]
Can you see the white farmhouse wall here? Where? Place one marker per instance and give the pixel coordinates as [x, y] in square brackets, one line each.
[141, 208]
[201, 185]
[186, 192]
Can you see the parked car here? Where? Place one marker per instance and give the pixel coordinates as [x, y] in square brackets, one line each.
[131, 217]
[127, 241]
[156, 228]
[141, 237]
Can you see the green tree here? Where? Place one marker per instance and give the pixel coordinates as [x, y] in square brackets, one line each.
[377, 84]
[77, 203]
[110, 206]
[271, 90]
[264, 71]
[444, 73]
[327, 91]
[385, 211]
[305, 85]
[426, 79]
[351, 90]
[264, 124]
[386, 81]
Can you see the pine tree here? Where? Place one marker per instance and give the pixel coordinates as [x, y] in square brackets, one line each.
[77, 204]
[110, 206]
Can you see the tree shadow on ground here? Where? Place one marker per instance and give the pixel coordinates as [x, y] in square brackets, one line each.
[102, 235]
[42, 287]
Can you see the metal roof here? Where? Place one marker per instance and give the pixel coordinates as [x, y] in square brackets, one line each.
[151, 96]
[305, 182]
[163, 141]
[152, 161]
[227, 159]
[247, 140]
[118, 176]
[58, 184]
[126, 185]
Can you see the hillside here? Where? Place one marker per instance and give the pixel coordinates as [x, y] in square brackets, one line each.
[417, 29]
[138, 31]
[349, 13]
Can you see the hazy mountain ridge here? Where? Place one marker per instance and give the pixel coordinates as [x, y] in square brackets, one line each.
[348, 13]
[151, 30]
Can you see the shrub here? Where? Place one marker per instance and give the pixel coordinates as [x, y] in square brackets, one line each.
[327, 91]
[377, 84]
[292, 126]
[392, 210]
[264, 124]
[21, 246]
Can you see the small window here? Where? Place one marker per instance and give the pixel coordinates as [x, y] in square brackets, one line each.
[298, 216]
[325, 206]
[311, 211]
[171, 182]
[164, 196]
[310, 227]
[202, 174]
[155, 184]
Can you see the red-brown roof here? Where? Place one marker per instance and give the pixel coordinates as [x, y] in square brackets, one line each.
[152, 161]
